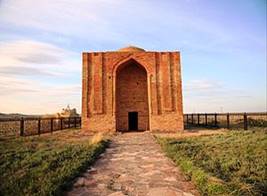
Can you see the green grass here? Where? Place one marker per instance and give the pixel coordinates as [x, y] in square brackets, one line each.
[234, 163]
[45, 165]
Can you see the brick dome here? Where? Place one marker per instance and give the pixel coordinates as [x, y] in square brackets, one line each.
[131, 49]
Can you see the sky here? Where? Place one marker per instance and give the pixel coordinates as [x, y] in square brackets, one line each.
[222, 45]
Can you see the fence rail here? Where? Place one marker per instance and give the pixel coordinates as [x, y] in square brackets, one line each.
[226, 120]
[36, 126]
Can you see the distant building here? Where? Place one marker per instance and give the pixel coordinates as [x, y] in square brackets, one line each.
[132, 89]
[68, 112]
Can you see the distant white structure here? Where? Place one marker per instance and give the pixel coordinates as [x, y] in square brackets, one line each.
[68, 112]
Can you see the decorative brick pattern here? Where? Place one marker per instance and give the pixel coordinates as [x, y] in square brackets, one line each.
[118, 82]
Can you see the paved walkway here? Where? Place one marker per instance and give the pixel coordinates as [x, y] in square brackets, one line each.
[133, 165]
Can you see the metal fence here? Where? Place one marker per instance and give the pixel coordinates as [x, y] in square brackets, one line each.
[36, 126]
[226, 120]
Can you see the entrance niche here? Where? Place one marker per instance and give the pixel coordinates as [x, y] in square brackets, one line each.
[131, 97]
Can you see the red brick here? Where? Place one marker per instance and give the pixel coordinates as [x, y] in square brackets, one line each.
[118, 82]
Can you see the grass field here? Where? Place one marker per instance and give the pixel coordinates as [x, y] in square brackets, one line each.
[233, 163]
[46, 164]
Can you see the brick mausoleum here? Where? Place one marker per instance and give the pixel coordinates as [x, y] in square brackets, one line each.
[132, 89]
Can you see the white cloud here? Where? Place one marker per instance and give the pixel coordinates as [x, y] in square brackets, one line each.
[202, 84]
[37, 57]
[29, 97]
[111, 20]
[79, 18]
[204, 95]
[34, 77]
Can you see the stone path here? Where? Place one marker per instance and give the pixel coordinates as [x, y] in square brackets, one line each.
[133, 165]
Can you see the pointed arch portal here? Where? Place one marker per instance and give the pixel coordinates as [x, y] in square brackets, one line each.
[132, 111]
[132, 89]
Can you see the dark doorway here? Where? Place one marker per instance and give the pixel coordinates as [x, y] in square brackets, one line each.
[133, 120]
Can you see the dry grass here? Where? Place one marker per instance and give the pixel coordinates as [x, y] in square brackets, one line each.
[192, 133]
[97, 138]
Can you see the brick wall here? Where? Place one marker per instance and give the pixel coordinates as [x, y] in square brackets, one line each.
[110, 90]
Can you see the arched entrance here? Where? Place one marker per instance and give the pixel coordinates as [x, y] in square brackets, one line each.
[132, 112]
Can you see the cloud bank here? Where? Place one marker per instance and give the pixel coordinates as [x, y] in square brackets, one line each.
[34, 77]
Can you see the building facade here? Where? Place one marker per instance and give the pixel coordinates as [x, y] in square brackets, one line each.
[132, 89]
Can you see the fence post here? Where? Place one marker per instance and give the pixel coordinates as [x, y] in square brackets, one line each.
[192, 120]
[61, 123]
[215, 120]
[69, 123]
[187, 119]
[21, 126]
[206, 119]
[52, 125]
[228, 120]
[245, 121]
[75, 125]
[198, 119]
[39, 126]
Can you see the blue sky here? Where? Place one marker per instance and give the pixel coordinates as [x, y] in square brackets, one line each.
[222, 45]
